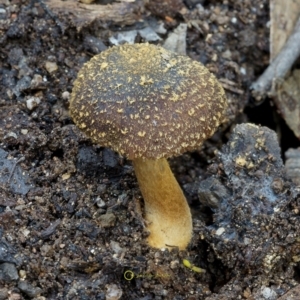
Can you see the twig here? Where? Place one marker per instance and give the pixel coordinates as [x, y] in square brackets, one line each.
[280, 65]
[13, 168]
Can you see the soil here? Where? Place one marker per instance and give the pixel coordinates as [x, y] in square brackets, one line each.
[71, 213]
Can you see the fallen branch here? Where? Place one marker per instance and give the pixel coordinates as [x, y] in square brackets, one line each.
[280, 65]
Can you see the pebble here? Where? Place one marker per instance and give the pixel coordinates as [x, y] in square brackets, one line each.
[174, 264]
[113, 292]
[100, 203]
[268, 293]
[51, 66]
[14, 296]
[22, 274]
[107, 220]
[22, 85]
[36, 81]
[32, 102]
[29, 289]
[220, 231]
[46, 250]
[65, 95]
[8, 272]
[115, 246]
[3, 294]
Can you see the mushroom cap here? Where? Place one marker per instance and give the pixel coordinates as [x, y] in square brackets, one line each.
[146, 102]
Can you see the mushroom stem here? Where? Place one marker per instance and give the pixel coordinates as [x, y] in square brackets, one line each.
[166, 209]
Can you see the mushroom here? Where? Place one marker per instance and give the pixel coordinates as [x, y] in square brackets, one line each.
[149, 104]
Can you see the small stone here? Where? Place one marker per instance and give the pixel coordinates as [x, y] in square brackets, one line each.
[65, 95]
[221, 20]
[268, 293]
[29, 289]
[11, 134]
[113, 292]
[36, 81]
[220, 231]
[51, 66]
[24, 131]
[3, 294]
[47, 250]
[8, 272]
[107, 220]
[65, 176]
[22, 274]
[233, 20]
[22, 85]
[100, 203]
[101, 188]
[14, 296]
[115, 246]
[227, 54]
[93, 44]
[25, 232]
[32, 102]
[174, 264]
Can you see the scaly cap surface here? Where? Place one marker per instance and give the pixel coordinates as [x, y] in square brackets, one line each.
[144, 101]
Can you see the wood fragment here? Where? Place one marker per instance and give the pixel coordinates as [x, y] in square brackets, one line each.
[283, 16]
[280, 66]
[230, 86]
[294, 293]
[80, 14]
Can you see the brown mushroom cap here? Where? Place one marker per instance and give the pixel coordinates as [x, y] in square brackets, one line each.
[144, 101]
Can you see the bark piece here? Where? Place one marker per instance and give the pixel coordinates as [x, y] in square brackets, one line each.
[280, 66]
[124, 13]
[287, 100]
[292, 165]
[283, 16]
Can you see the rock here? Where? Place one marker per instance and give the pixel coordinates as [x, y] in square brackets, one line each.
[29, 289]
[116, 248]
[211, 191]
[93, 44]
[110, 158]
[107, 220]
[100, 202]
[14, 56]
[15, 296]
[8, 272]
[88, 161]
[3, 293]
[51, 66]
[6, 252]
[22, 85]
[65, 95]
[176, 41]
[36, 82]
[113, 292]
[254, 196]
[268, 293]
[32, 102]
[19, 181]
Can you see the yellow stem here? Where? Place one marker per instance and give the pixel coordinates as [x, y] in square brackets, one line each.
[167, 212]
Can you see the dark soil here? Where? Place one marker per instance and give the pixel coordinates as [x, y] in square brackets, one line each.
[71, 213]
